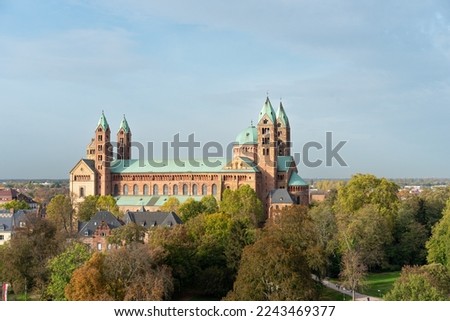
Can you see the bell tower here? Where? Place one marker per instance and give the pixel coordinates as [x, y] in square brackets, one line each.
[267, 149]
[283, 132]
[103, 156]
[124, 140]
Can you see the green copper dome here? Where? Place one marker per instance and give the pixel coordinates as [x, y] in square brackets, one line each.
[249, 136]
[281, 116]
[296, 180]
[103, 122]
[124, 125]
[267, 110]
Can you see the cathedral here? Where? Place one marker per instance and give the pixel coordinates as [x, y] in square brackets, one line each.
[261, 159]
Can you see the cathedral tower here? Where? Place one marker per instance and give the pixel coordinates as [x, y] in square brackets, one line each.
[103, 156]
[283, 132]
[124, 140]
[267, 149]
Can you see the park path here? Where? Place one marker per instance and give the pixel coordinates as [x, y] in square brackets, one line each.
[358, 296]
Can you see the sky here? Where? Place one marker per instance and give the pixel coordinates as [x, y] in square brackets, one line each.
[375, 74]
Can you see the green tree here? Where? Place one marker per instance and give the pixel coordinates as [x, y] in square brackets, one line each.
[190, 209]
[433, 202]
[87, 208]
[26, 254]
[439, 244]
[243, 204]
[409, 236]
[209, 204]
[171, 205]
[366, 189]
[108, 203]
[127, 234]
[60, 212]
[61, 269]
[327, 231]
[421, 283]
[15, 205]
[279, 264]
[367, 232]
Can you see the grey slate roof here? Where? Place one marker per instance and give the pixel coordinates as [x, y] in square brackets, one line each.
[21, 216]
[152, 219]
[5, 221]
[281, 196]
[88, 228]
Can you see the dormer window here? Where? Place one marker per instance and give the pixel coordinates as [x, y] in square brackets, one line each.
[86, 233]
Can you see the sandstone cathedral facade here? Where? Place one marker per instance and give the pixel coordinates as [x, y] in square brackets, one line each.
[261, 159]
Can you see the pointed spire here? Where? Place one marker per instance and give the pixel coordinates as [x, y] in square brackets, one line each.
[103, 122]
[281, 116]
[267, 110]
[124, 125]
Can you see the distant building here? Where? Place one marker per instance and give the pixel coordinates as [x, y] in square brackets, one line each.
[11, 221]
[95, 232]
[12, 194]
[261, 159]
[5, 226]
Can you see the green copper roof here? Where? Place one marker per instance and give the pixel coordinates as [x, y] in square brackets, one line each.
[151, 200]
[296, 180]
[103, 122]
[249, 136]
[284, 163]
[124, 125]
[211, 165]
[267, 110]
[282, 117]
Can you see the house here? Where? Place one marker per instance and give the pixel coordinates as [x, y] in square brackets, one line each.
[12, 194]
[152, 219]
[95, 232]
[5, 226]
[10, 221]
[279, 199]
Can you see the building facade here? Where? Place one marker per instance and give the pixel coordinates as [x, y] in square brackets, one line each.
[261, 159]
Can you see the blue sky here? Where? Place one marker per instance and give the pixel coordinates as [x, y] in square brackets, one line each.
[375, 73]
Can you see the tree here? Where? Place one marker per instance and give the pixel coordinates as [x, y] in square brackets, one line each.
[128, 273]
[209, 204]
[127, 234]
[15, 205]
[25, 257]
[366, 232]
[87, 208]
[171, 205]
[270, 271]
[136, 273]
[243, 204]
[409, 236]
[279, 264]
[87, 282]
[433, 202]
[421, 283]
[190, 209]
[60, 212]
[366, 189]
[439, 244]
[353, 271]
[61, 269]
[108, 203]
[327, 231]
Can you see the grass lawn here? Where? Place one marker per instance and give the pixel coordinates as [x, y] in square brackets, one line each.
[378, 284]
[331, 295]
